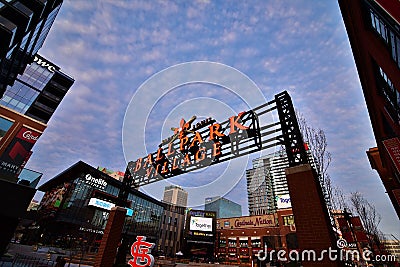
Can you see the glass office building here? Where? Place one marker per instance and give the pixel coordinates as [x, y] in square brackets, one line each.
[76, 206]
[24, 25]
[224, 208]
[38, 91]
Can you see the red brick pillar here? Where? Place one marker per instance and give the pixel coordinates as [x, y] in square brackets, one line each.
[313, 227]
[111, 238]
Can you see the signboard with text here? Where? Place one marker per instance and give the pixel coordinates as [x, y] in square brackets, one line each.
[248, 222]
[201, 224]
[283, 201]
[197, 146]
[18, 151]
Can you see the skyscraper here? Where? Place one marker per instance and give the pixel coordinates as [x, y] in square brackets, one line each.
[38, 91]
[260, 191]
[24, 25]
[266, 181]
[175, 195]
[25, 109]
[373, 27]
[224, 208]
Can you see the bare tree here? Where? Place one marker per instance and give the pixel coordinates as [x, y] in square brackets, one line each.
[316, 140]
[338, 199]
[369, 217]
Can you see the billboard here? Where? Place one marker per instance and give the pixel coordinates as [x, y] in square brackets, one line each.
[52, 199]
[283, 201]
[201, 224]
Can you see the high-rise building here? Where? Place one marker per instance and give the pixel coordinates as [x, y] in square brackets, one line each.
[175, 195]
[267, 184]
[25, 109]
[224, 208]
[38, 91]
[172, 230]
[373, 28]
[260, 186]
[24, 25]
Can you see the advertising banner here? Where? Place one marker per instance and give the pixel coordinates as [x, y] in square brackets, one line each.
[201, 224]
[283, 201]
[18, 151]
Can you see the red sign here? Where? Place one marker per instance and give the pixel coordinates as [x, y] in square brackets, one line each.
[18, 151]
[28, 135]
[393, 148]
[140, 252]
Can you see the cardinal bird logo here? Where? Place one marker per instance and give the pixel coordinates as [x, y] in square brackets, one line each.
[183, 130]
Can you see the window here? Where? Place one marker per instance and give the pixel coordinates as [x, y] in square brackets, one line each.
[288, 220]
[389, 92]
[387, 30]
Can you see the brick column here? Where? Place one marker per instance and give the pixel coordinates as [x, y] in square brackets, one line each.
[313, 227]
[111, 238]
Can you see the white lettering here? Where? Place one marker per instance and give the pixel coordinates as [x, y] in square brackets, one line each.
[29, 136]
[98, 182]
[44, 64]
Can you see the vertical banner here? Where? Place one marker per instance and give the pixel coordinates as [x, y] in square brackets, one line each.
[18, 151]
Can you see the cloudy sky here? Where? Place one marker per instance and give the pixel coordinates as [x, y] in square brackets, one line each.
[111, 48]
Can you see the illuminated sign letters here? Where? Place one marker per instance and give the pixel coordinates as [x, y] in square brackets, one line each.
[42, 62]
[192, 147]
[95, 202]
[96, 182]
[201, 224]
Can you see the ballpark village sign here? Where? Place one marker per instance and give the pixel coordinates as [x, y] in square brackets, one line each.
[208, 142]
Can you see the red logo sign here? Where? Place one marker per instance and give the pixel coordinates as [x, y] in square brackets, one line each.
[139, 252]
[28, 135]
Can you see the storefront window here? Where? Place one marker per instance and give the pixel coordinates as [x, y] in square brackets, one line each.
[232, 242]
[256, 242]
[243, 242]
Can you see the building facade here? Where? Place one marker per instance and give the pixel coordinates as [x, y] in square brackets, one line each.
[260, 191]
[240, 239]
[267, 185]
[76, 206]
[25, 109]
[175, 195]
[224, 208]
[392, 246]
[38, 91]
[172, 230]
[24, 25]
[373, 29]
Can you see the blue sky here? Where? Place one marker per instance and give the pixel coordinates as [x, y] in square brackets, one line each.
[112, 47]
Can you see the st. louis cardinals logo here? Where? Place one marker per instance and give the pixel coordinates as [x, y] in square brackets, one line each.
[140, 252]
